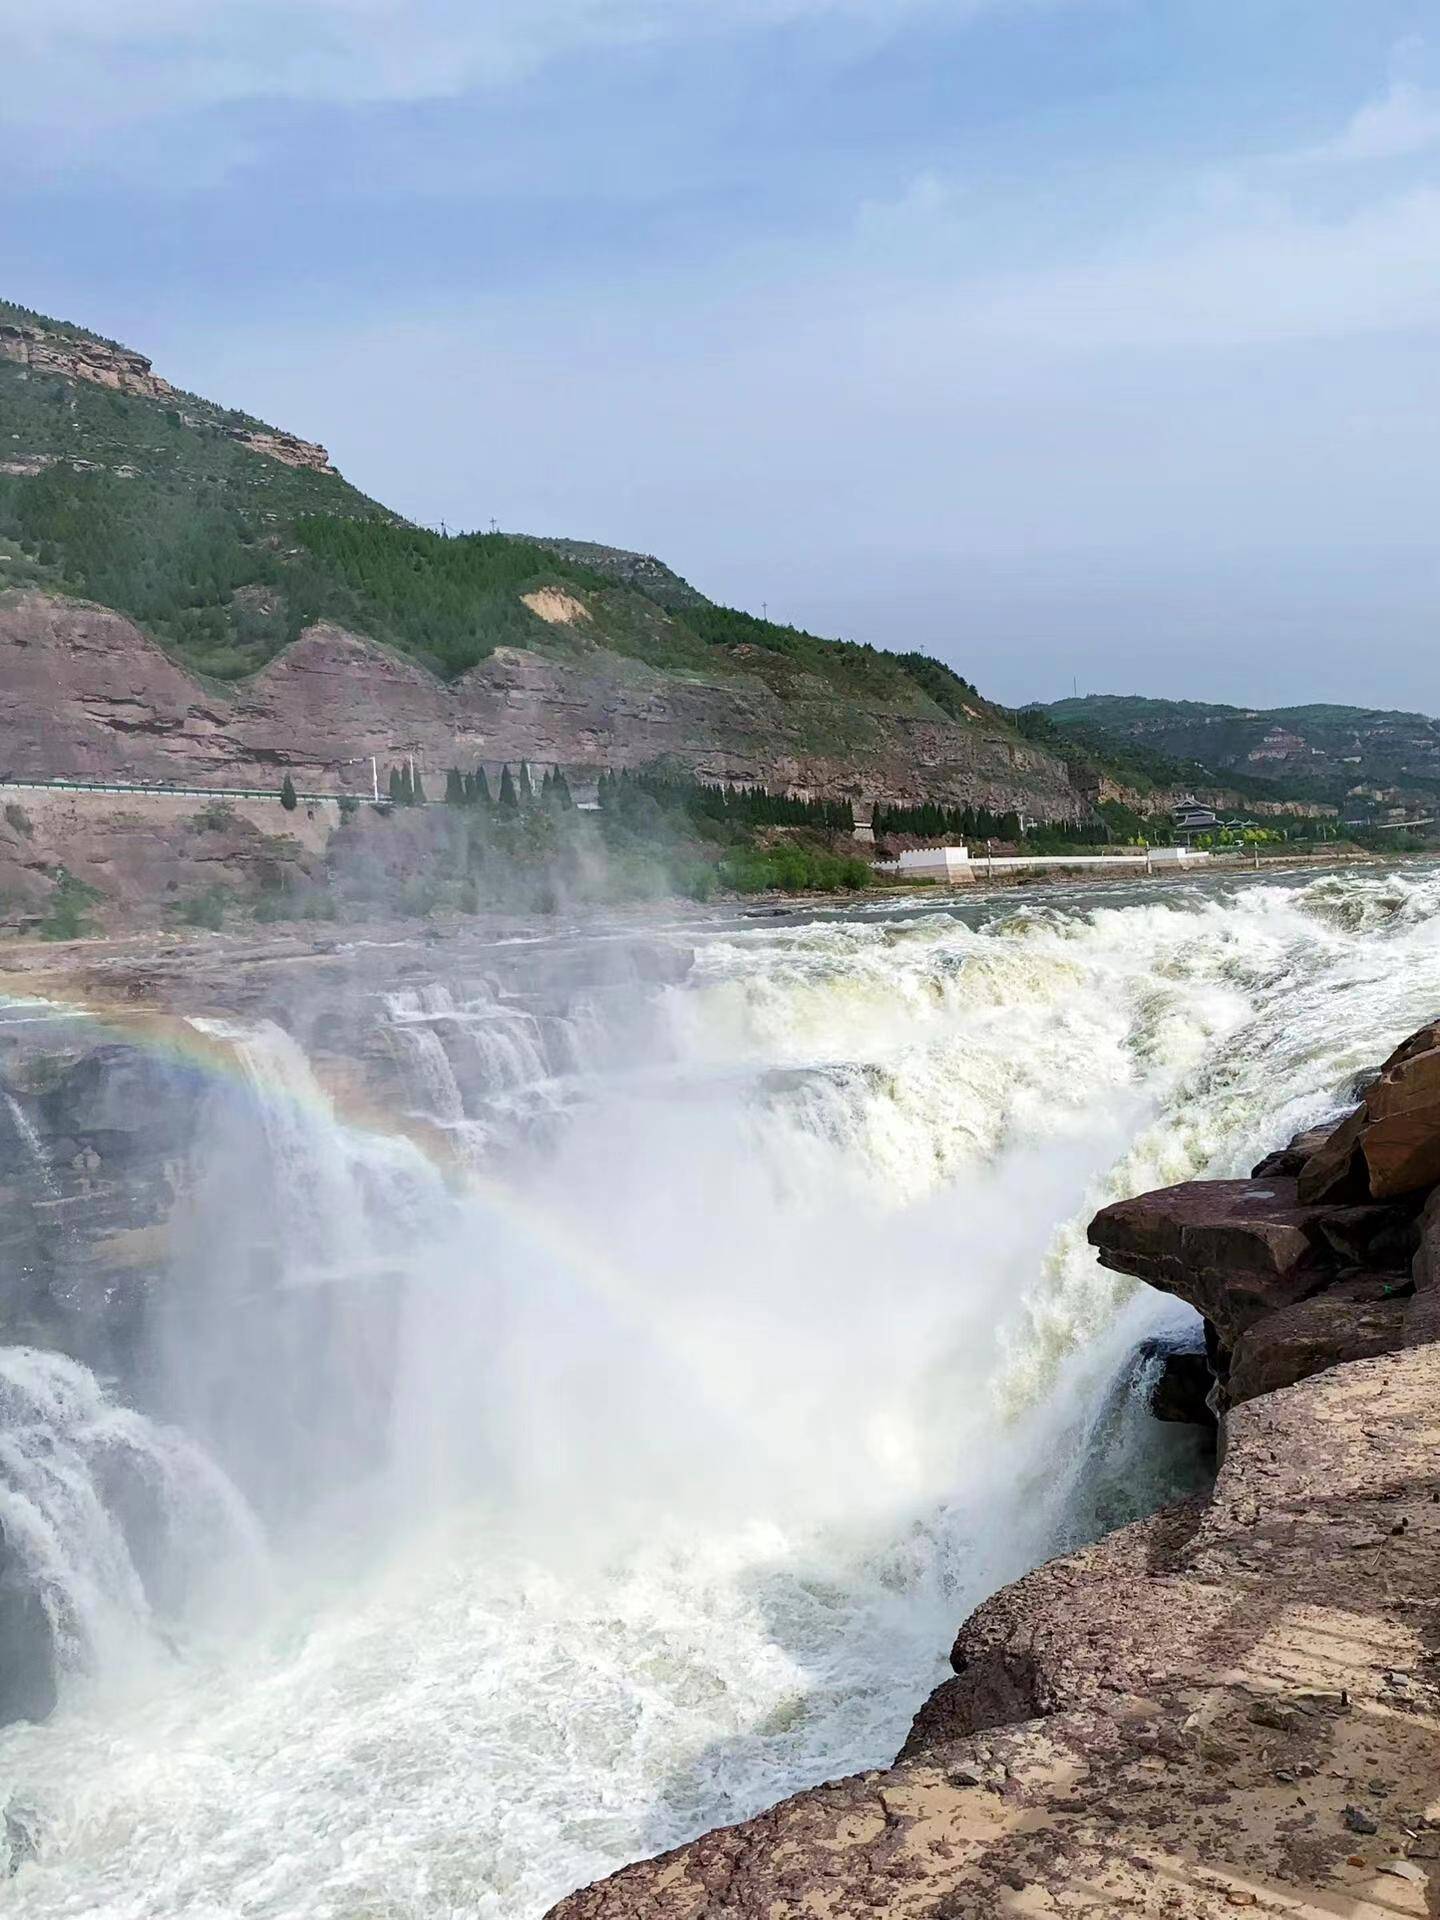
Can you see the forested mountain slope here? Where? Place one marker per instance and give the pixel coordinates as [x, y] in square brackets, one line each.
[225, 540]
[1322, 752]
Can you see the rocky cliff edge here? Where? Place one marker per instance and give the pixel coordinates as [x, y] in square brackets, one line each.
[1233, 1705]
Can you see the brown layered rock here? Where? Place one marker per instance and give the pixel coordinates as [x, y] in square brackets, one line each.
[1329, 1252]
[1352, 1320]
[99, 363]
[1390, 1144]
[1233, 1706]
[1401, 1138]
[1241, 1250]
[89, 697]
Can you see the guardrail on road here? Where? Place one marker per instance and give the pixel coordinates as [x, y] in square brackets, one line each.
[163, 792]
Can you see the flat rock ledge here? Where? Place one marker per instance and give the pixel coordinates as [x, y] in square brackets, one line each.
[1235, 1704]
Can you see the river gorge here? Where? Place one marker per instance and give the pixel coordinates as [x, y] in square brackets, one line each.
[482, 1411]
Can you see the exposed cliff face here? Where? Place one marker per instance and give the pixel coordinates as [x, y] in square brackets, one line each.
[154, 855]
[90, 697]
[100, 363]
[1234, 1704]
[72, 357]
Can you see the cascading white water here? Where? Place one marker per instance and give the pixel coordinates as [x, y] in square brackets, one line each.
[35, 1151]
[704, 1427]
[109, 1518]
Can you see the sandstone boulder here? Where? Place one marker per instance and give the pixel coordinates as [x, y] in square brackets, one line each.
[1235, 1249]
[1390, 1145]
[1401, 1140]
[1291, 1159]
[1287, 1289]
[1336, 1169]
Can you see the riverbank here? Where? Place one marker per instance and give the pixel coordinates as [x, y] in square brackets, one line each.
[1236, 1703]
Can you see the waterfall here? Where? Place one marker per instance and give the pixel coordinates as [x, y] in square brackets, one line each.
[111, 1522]
[296, 1253]
[683, 1432]
[492, 1047]
[34, 1150]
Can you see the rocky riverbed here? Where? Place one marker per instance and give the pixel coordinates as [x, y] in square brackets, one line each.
[1234, 1704]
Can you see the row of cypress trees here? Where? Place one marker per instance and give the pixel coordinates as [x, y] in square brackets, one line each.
[473, 789]
[407, 789]
[742, 806]
[930, 821]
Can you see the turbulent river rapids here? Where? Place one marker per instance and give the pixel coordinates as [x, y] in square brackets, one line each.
[615, 1445]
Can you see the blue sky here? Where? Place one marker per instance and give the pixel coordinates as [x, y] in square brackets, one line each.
[1079, 341]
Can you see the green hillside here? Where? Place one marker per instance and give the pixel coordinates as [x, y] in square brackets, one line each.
[1313, 751]
[158, 507]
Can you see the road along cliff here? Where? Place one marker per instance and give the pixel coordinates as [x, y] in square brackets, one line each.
[1235, 1704]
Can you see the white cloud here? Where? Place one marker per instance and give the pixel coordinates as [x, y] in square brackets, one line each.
[69, 60]
[1236, 268]
[1404, 121]
[1286, 278]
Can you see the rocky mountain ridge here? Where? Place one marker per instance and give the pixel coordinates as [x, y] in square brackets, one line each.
[41, 351]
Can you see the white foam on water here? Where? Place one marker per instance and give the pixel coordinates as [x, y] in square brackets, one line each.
[712, 1424]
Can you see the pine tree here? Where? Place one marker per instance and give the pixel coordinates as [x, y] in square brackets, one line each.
[527, 790]
[509, 799]
[561, 791]
[397, 791]
[454, 788]
[482, 788]
[417, 795]
[288, 798]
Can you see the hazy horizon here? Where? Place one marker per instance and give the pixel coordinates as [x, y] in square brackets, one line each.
[1084, 343]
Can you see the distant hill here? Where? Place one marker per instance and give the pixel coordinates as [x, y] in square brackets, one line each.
[1316, 751]
[225, 539]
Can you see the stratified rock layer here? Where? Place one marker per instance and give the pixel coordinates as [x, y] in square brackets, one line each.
[1330, 1252]
[89, 697]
